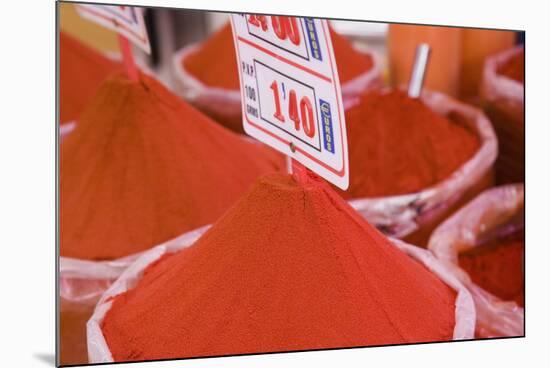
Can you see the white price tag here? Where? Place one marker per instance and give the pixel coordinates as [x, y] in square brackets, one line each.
[291, 91]
[126, 20]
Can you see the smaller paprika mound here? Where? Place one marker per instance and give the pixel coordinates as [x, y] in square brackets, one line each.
[215, 63]
[290, 266]
[483, 245]
[514, 68]
[497, 268]
[398, 145]
[81, 72]
[142, 167]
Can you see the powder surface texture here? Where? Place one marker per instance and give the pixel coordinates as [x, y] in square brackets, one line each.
[497, 268]
[515, 68]
[143, 166]
[290, 266]
[398, 145]
[215, 62]
[81, 72]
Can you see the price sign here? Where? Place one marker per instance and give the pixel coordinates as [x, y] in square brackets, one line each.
[291, 90]
[126, 20]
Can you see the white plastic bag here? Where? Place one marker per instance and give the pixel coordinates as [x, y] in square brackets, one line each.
[98, 350]
[503, 100]
[225, 104]
[413, 216]
[491, 209]
[500, 90]
[65, 129]
[83, 281]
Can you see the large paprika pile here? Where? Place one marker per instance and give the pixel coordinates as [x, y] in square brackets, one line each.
[215, 63]
[143, 166]
[81, 72]
[398, 145]
[290, 266]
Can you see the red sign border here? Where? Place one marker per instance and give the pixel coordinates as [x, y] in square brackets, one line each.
[340, 173]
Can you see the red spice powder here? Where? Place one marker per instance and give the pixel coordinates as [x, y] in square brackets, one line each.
[289, 267]
[81, 72]
[514, 68]
[497, 268]
[143, 167]
[398, 145]
[215, 62]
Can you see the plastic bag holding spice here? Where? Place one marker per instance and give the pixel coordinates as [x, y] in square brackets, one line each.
[98, 350]
[503, 100]
[494, 211]
[82, 282]
[224, 104]
[498, 89]
[65, 129]
[413, 216]
[85, 281]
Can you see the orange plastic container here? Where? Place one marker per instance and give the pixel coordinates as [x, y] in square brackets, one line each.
[443, 72]
[477, 45]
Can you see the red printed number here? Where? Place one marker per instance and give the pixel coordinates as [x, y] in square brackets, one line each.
[302, 116]
[283, 27]
[278, 114]
[258, 21]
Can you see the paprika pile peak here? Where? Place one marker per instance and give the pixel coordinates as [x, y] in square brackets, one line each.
[398, 145]
[289, 267]
[515, 67]
[215, 63]
[143, 167]
[81, 72]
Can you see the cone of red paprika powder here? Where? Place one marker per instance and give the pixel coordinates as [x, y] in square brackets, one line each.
[483, 245]
[413, 161]
[291, 266]
[141, 167]
[81, 72]
[208, 76]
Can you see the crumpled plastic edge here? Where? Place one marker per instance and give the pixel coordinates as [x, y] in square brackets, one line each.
[98, 275]
[499, 89]
[401, 215]
[98, 350]
[460, 232]
[227, 102]
[220, 101]
[65, 129]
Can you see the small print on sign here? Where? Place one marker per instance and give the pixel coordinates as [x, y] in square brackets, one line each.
[126, 20]
[291, 90]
